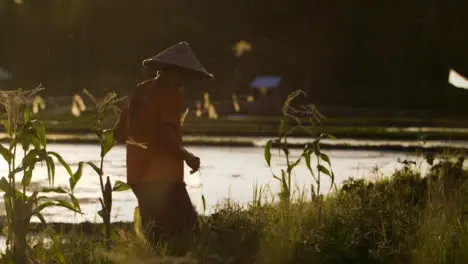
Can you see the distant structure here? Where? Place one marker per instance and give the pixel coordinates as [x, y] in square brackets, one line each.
[269, 96]
[266, 82]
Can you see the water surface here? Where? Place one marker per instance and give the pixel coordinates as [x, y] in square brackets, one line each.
[226, 172]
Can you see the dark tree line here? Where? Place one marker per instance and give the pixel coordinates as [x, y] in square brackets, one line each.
[365, 52]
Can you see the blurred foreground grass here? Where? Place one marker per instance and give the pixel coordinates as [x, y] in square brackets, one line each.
[405, 218]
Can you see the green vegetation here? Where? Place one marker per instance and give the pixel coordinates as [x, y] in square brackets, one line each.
[105, 109]
[308, 152]
[405, 218]
[30, 135]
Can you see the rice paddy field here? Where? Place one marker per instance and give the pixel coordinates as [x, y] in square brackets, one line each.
[382, 191]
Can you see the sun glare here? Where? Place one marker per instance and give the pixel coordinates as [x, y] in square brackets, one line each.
[458, 80]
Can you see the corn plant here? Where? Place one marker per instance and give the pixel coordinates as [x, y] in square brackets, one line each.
[29, 135]
[323, 163]
[106, 109]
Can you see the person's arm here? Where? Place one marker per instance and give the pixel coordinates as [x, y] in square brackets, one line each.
[168, 140]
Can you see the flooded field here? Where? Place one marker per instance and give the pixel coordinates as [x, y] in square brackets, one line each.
[227, 172]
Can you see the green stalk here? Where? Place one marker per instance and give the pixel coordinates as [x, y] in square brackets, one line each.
[101, 141]
[101, 174]
[318, 176]
[288, 162]
[106, 209]
[10, 217]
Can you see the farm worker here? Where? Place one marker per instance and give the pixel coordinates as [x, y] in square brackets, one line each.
[150, 127]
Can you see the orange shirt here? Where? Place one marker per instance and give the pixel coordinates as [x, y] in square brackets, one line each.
[155, 115]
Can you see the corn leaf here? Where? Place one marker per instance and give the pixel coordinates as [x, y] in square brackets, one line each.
[267, 152]
[6, 154]
[120, 186]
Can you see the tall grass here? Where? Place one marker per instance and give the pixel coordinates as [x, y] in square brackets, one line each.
[405, 218]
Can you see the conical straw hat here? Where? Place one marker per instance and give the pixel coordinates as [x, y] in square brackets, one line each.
[180, 55]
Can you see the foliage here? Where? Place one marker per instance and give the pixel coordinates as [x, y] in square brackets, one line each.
[29, 135]
[106, 108]
[292, 113]
[405, 218]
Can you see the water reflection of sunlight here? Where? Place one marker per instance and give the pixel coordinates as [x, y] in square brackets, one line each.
[215, 181]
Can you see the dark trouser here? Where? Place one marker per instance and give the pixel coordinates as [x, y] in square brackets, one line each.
[165, 210]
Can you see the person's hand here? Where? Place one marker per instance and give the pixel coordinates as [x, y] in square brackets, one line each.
[193, 162]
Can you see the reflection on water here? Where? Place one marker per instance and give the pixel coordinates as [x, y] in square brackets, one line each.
[462, 144]
[225, 173]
